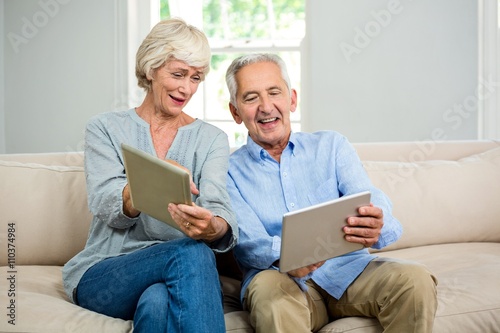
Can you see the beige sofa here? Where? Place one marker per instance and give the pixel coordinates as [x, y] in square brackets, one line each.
[446, 194]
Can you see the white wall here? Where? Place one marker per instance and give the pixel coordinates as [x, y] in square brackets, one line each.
[64, 61]
[2, 86]
[416, 77]
[58, 71]
[389, 70]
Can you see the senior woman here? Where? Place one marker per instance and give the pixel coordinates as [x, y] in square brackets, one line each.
[134, 266]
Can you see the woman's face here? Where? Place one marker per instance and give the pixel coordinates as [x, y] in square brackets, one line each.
[173, 85]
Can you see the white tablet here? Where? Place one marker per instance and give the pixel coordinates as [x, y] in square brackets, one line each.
[314, 234]
[154, 183]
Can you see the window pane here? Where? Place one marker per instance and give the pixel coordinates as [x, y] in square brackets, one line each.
[236, 27]
[217, 95]
[254, 19]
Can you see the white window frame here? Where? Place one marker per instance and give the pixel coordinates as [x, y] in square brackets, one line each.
[191, 11]
[135, 20]
[489, 70]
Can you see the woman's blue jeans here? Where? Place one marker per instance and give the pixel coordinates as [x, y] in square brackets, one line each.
[169, 287]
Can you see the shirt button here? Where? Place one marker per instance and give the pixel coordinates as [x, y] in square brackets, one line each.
[292, 205]
[285, 174]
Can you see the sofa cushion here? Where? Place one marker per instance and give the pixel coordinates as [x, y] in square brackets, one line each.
[443, 201]
[467, 274]
[48, 205]
[467, 290]
[42, 305]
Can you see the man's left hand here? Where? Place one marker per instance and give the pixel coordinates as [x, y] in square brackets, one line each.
[365, 228]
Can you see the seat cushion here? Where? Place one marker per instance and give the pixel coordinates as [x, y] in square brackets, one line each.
[42, 305]
[468, 284]
[468, 293]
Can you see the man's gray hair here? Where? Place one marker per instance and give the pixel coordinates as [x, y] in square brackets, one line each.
[249, 59]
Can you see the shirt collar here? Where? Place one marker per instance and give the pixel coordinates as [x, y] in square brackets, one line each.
[259, 153]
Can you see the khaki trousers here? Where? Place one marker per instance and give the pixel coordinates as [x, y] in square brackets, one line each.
[400, 294]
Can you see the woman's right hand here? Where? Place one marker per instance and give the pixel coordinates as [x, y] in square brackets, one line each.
[128, 208]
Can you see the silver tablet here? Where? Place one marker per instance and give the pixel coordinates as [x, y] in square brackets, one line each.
[314, 234]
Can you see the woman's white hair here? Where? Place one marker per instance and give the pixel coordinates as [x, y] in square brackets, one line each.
[171, 39]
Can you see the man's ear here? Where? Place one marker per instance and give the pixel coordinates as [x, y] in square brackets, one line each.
[294, 104]
[235, 114]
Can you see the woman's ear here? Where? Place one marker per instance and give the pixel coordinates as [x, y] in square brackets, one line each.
[150, 74]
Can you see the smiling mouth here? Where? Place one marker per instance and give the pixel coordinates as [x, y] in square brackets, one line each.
[268, 120]
[179, 100]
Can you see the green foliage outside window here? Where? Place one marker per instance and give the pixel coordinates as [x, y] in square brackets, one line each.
[164, 9]
[236, 27]
[248, 20]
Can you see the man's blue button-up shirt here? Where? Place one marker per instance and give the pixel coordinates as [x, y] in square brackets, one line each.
[314, 168]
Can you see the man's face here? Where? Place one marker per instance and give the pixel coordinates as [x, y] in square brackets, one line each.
[263, 104]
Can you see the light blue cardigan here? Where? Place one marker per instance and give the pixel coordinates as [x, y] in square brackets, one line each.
[200, 147]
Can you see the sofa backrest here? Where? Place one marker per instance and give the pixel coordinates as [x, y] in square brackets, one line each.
[418, 151]
[442, 192]
[438, 193]
[43, 207]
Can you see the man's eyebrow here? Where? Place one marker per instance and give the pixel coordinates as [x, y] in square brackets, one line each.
[245, 94]
[273, 88]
